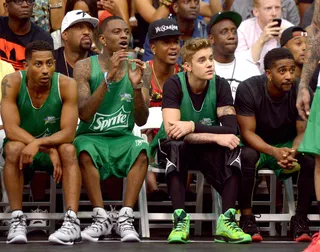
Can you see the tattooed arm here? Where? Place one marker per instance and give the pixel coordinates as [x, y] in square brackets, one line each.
[313, 48]
[141, 98]
[88, 104]
[312, 59]
[10, 88]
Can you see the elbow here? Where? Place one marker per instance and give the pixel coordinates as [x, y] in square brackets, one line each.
[83, 117]
[143, 119]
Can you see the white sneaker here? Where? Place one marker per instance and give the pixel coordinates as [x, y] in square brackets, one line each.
[38, 223]
[124, 227]
[18, 228]
[101, 226]
[69, 233]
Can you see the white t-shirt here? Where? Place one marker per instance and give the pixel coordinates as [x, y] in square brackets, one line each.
[235, 72]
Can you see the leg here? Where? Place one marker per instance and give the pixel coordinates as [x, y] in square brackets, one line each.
[135, 180]
[91, 179]
[71, 179]
[249, 158]
[299, 224]
[317, 180]
[13, 179]
[229, 193]
[13, 176]
[70, 231]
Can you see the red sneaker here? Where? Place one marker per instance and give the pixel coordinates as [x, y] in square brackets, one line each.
[315, 244]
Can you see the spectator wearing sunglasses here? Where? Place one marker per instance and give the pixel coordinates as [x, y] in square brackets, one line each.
[17, 31]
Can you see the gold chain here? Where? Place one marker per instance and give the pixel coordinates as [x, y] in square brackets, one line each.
[155, 76]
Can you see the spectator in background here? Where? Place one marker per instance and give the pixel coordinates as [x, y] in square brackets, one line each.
[5, 68]
[289, 10]
[109, 8]
[222, 33]
[77, 32]
[294, 39]
[88, 6]
[165, 46]
[17, 31]
[186, 14]
[48, 14]
[260, 34]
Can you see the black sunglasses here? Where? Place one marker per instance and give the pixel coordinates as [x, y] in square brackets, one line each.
[20, 2]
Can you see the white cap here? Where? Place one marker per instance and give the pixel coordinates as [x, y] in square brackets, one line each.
[77, 16]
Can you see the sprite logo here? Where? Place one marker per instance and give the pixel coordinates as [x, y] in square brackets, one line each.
[46, 133]
[101, 122]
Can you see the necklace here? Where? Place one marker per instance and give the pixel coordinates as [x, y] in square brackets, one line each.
[234, 67]
[65, 63]
[156, 78]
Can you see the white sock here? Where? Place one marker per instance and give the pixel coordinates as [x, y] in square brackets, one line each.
[72, 214]
[16, 213]
[100, 212]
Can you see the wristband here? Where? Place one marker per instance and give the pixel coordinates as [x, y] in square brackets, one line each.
[193, 127]
[56, 5]
[139, 86]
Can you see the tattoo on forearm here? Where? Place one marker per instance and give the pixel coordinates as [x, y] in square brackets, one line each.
[4, 86]
[225, 110]
[199, 138]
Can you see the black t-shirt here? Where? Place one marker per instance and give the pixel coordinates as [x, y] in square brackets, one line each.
[61, 64]
[275, 119]
[172, 93]
[12, 46]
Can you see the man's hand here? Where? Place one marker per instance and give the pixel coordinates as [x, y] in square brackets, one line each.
[135, 74]
[269, 32]
[227, 140]
[303, 103]
[56, 162]
[178, 129]
[116, 59]
[283, 156]
[28, 153]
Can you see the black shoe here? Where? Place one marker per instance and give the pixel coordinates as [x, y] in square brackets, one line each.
[249, 225]
[299, 227]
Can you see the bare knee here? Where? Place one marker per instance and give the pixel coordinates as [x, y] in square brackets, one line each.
[85, 160]
[142, 161]
[13, 150]
[68, 154]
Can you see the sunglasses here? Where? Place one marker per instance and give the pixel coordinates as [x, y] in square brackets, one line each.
[20, 2]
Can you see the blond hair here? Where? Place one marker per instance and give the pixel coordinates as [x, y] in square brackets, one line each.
[192, 46]
[256, 3]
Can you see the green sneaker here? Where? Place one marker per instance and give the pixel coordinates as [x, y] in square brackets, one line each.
[229, 231]
[181, 227]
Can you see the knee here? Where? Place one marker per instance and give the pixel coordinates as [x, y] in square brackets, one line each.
[142, 160]
[84, 160]
[249, 157]
[13, 150]
[68, 153]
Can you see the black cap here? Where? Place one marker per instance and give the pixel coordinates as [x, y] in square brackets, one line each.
[291, 32]
[162, 28]
[231, 15]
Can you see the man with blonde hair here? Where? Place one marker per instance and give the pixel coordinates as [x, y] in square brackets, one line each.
[260, 34]
[199, 131]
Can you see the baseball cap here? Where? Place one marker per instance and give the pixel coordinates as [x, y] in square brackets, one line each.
[77, 16]
[231, 15]
[162, 28]
[291, 32]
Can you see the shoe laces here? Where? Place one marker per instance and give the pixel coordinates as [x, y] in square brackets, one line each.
[99, 222]
[19, 223]
[232, 224]
[126, 223]
[180, 224]
[69, 225]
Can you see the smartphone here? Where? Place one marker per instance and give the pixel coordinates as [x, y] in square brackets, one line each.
[278, 20]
